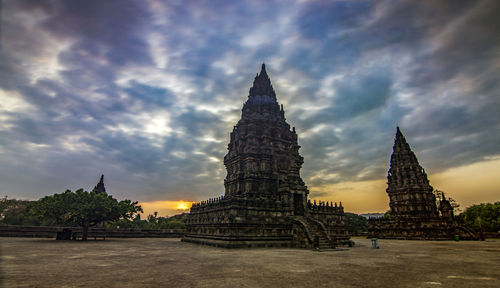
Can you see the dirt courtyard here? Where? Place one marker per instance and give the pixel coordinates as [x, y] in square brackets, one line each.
[150, 262]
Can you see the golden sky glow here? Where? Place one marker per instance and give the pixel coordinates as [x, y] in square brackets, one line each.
[166, 208]
[469, 185]
[357, 197]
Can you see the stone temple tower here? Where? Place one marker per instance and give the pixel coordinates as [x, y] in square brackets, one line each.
[414, 211]
[263, 158]
[265, 201]
[408, 188]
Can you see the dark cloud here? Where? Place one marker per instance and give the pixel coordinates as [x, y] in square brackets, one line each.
[358, 97]
[198, 123]
[146, 92]
[324, 18]
[150, 95]
[112, 29]
[354, 96]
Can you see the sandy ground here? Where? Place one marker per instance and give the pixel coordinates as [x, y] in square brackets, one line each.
[148, 262]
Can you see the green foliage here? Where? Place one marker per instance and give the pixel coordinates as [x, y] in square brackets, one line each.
[82, 208]
[484, 217]
[356, 224]
[152, 222]
[175, 224]
[63, 209]
[13, 212]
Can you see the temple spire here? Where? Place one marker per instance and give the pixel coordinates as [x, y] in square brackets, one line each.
[99, 188]
[262, 85]
[263, 69]
[400, 140]
[402, 154]
[407, 177]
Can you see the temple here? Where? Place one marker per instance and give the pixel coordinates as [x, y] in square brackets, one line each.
[265, 203]
[414, 212]
[99, 188]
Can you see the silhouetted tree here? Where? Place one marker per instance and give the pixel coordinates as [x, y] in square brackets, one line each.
[85, 209]
[153, 221]
[356, 224]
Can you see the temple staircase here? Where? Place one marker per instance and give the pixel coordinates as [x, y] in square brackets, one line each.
[467, 233]
[316, 233]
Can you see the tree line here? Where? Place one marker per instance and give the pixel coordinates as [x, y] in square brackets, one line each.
[83, 209]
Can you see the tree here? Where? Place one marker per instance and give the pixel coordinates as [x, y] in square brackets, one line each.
[84, 209]
[356, 224]
[13, 212]
[484, 217]
[153, 221]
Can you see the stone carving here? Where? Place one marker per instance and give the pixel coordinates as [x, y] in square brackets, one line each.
[265, 202]
[414, 213]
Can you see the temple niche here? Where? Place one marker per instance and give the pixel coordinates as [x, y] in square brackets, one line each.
[265, 203]
[414, 212]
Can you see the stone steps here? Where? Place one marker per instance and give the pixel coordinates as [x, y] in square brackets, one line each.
[316, 233]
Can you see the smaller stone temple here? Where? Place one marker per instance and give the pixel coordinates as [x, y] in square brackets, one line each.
[414, 212]
[99, 187]
[265, 202]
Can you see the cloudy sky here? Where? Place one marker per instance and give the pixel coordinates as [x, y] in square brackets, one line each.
[146, 93]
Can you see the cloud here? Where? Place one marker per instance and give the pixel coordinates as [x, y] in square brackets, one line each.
[147, 92]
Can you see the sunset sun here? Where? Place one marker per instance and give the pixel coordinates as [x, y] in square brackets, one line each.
[182, 205]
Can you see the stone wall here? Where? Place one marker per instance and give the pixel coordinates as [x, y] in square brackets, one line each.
[419, 229]
[50, 232]
[234, 223]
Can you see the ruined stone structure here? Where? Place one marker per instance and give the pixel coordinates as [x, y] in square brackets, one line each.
[265, 202]
[414, 213]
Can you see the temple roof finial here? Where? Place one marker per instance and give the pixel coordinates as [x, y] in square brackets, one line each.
[400, 138]
[262, 84]
[99, 188]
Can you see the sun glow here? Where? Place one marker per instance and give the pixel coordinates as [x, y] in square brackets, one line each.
[166, 208]
[183, 205]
